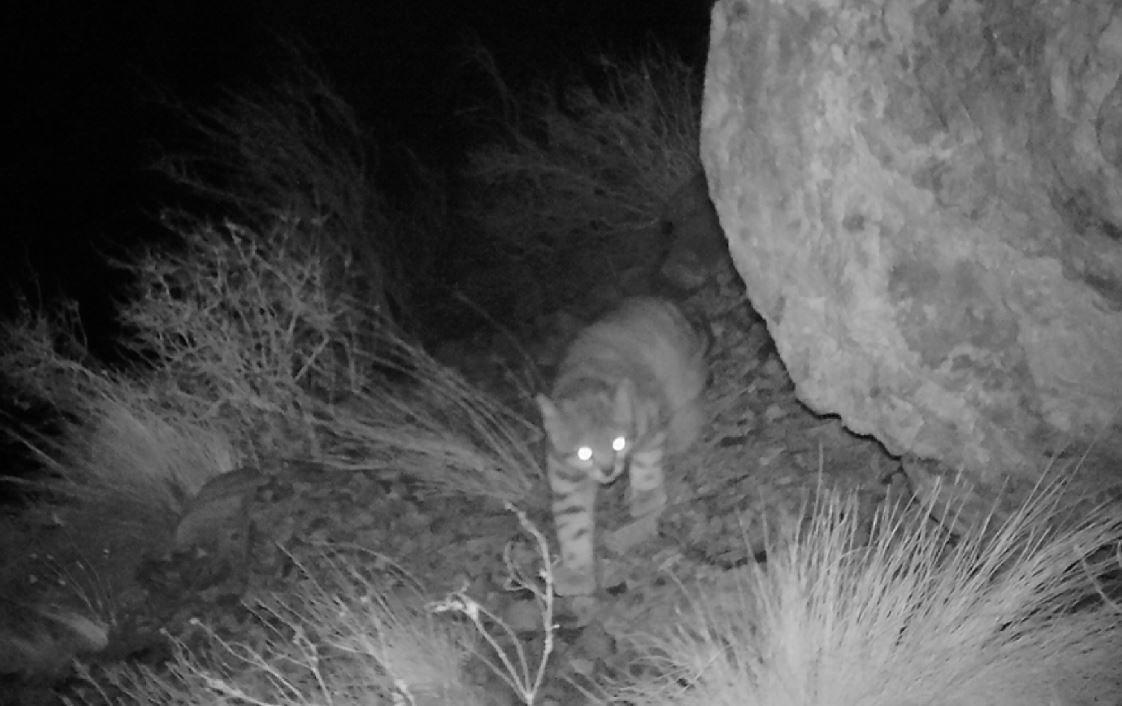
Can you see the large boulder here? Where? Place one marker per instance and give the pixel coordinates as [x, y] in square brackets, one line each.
[924, 201]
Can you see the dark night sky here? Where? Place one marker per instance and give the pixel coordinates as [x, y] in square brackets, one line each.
[81, 125]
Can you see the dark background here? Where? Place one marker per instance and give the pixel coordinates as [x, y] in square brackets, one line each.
[84, 126]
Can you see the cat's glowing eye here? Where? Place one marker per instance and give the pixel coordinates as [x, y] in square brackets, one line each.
[619, 444]
[584, 453]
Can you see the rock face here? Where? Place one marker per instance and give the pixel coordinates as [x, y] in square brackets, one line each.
[924, 200]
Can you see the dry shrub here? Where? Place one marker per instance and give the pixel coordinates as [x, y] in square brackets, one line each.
[293, 154]
[247, 328]
[573, 177]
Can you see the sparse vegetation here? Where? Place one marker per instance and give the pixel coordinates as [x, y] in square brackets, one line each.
[247, 360]
[249, 342]
[340, 635]
[523, 675]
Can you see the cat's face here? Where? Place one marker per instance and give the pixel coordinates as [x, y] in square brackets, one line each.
[592, 432]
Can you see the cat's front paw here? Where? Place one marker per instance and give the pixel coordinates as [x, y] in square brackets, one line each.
[568, 582]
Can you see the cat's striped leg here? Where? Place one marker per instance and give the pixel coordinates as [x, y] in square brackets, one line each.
[646, 481]
[574, 507]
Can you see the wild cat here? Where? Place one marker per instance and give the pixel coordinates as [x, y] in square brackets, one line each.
[627, 393]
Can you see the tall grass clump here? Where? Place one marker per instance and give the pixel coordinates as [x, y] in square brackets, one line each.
[573, 175]
[1013, 614]
[101, 435]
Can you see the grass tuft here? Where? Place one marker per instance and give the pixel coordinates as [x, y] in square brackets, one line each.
[1009, 615]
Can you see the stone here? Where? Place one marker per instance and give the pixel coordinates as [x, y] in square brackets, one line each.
[924, 201]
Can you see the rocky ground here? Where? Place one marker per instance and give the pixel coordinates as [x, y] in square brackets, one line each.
[264, 531]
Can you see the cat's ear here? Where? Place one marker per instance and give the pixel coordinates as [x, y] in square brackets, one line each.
[551, 416]
[623, 401]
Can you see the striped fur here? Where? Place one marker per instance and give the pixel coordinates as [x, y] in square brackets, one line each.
[627, 392]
